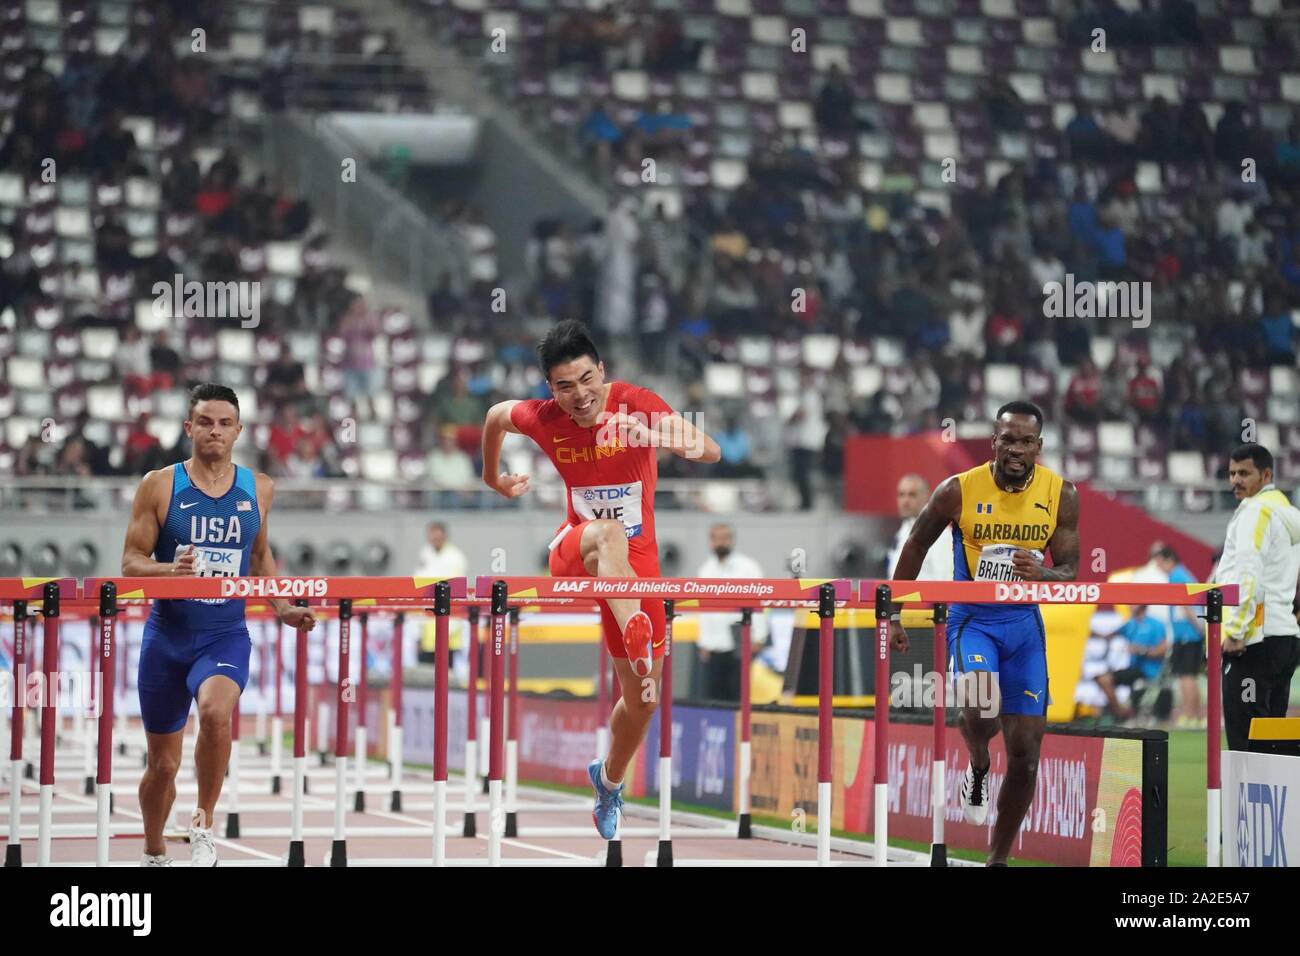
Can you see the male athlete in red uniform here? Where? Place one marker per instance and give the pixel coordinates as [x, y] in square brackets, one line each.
[603, 438]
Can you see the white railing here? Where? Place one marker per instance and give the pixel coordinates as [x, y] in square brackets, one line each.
[52, 495]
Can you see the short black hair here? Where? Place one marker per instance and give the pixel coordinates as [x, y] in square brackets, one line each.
[1021, 408]
[567, 341]
[212, 392]
[1166, 553]
[1257, 453]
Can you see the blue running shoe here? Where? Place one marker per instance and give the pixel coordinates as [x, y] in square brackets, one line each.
[609, 803]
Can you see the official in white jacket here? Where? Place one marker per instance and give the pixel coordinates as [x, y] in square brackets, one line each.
[913, 493]
[717, 646]
[1261, 554]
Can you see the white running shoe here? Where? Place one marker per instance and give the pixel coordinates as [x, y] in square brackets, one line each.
[148, 859]
[975, 795]
[203, 851]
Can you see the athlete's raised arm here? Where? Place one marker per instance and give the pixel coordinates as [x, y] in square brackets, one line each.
[495, 427]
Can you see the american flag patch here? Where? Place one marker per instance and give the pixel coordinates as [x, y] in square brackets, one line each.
[243, 506]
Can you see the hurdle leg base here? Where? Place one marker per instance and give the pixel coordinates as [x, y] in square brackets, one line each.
[746, 828]
[275, 785]
[359, 804]
[296, 855]
[471, 827]
[121, 748]
[306, 787]
[261, 748]
[324, 759]
[90, 785]
[232, 825]
[938, 854]
[13, 855]
[614, 853]
[339, 853]
[485, 786]
[395, 802]
[29, 772]
[512, 824]
[110, 801]
[665, 857]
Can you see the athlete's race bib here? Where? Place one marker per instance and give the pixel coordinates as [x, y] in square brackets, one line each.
[210, 562]
[995, 562]
[616, 502]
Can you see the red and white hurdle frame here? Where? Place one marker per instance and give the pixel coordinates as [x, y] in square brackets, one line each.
[682, 594]
[103, 595]
[99, 598]
[881, 595]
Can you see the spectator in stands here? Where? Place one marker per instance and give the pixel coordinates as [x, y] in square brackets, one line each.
[1144, 395]
[1083, 395]
[1122, 129]
[74, 458]
[164, 360]
[35, 457]
[95, 456]
[286, 379]
[805, 436]
[453, 403]
[304, 462]
[1084, 136]
[113, 151]
[1005, 334]
[1147, 644]
[358, 327]
[734, 302]
[285, 432]
[113, 246]
[1006, 111]
[669, 50]
[1159, 137]
[736, 446]
[1253, 249]
[834, 108]
[1232, 135]
[132, 362]
[1278, 332]
[451, 470]
[143, 452]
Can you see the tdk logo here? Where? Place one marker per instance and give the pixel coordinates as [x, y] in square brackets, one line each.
[1261, 837]
[606, 494]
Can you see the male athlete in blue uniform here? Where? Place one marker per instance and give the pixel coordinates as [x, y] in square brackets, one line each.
[1004, 513]
[197, 649]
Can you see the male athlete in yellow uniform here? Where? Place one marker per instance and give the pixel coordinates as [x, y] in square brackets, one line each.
[1004, 514]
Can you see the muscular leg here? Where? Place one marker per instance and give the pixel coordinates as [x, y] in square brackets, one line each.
[977, 731]
[158, 787]
[632, 713]
[604, 555]
[1023, 736]
[217, 697]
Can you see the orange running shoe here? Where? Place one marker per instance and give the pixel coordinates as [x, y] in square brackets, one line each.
[637, 636]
